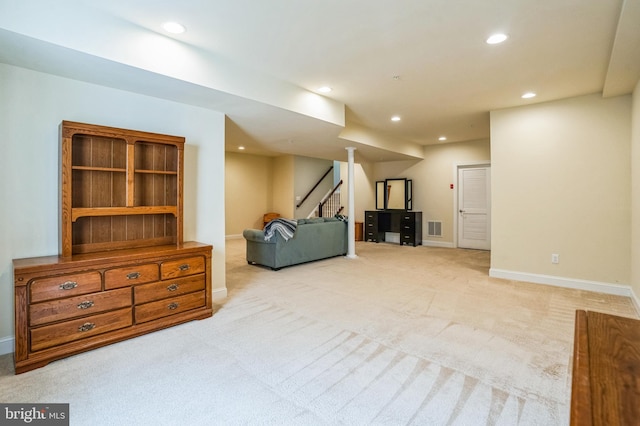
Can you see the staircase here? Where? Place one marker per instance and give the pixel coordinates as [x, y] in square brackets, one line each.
[330, 204]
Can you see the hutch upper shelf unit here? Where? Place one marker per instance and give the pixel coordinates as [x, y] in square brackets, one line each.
[123, 269]
[120, 188]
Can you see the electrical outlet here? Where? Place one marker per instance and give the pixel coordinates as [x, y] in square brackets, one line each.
[555, 258]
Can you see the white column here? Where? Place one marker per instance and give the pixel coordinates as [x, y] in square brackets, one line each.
[351, 224]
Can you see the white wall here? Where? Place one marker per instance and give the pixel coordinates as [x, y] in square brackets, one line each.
[32, 105]
[561, 183]
[248, 191]
[283, 178]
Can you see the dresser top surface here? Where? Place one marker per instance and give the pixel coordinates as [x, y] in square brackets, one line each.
[35, 263]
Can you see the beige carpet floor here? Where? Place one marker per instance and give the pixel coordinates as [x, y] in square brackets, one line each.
[399, 335]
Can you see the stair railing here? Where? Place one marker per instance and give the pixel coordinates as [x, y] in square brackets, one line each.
[330, 205]
[314, 187]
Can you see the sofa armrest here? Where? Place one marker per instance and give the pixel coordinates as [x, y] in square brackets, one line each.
[256, 235]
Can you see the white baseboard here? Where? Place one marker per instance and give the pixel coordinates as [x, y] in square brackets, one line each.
[578, 284]
[219, 293]
[431, 243]
[6, 345]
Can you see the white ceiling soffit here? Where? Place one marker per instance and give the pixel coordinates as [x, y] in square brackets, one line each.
[261, 128]
[624, 65]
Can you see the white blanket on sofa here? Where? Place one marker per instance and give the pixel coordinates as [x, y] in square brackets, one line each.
[285, 227]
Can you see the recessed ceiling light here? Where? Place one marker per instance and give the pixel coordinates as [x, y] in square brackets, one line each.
[395, 118]
[442, 138]
[496, 38]
[324, 89]
[528, 95]
[174, 27]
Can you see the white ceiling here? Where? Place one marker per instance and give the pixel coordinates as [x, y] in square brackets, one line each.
[425, 60]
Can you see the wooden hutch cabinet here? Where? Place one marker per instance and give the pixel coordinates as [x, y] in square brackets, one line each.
[123, 269]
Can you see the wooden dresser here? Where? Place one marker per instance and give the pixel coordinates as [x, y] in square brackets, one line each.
[66, 306]
[606, 370]
[123, 268]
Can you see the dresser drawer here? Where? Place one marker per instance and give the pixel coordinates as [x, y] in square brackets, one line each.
[371, 230]
[408, 218]
[166, 307]
[170, 288]
[408, 227]
[130, 275]
[408, 239]
[69, 331]
[371, 236]
[59, 286]
[72, 307]
[370, 225]
[182, 267]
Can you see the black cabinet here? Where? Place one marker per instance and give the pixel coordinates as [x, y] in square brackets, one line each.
[411, 228]
[371, 232]
[406, 223]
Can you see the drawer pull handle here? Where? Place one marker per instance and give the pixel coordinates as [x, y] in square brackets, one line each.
[172, 287]
[133, 276]
[172, 306]
[86, 326]
[184, 267]
[68, 285]
[85, 305]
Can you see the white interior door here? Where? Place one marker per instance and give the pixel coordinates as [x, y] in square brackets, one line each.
[474, 207]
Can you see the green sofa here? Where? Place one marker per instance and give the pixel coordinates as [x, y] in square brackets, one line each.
[314, 239]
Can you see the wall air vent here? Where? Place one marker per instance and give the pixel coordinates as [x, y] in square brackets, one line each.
[434, 228]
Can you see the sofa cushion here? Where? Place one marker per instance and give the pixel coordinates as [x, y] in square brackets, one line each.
[313, 220]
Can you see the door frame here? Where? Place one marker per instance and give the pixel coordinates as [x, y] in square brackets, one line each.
[457, 166]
